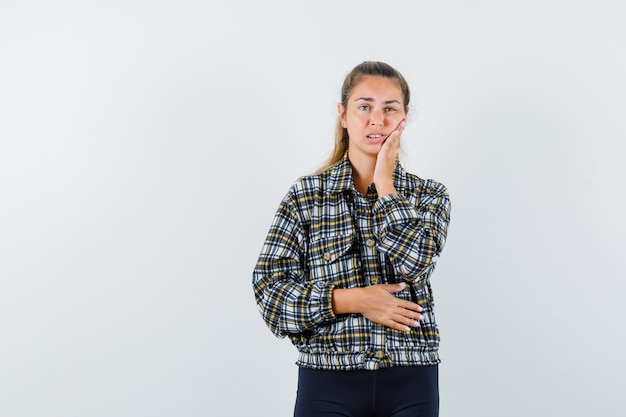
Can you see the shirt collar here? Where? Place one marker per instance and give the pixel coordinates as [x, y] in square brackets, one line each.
[341, 176]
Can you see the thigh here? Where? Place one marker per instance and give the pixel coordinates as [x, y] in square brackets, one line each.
[411, 391]
[333, 393]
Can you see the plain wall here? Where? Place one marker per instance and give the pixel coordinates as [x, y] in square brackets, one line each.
[145, 146]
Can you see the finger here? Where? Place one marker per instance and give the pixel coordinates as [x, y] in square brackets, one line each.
[412, 316]
[408, 305]
[399, 129]
[403, 324]
[408, 321]
[392, 144]
[398, 326]
[396, 133]
[394, 139]
[401, 126]
[394, 287]
[409, 309]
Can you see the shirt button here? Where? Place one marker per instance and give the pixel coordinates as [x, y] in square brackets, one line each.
[374, 280]
[328, 256]
[370, 242]
[379, 354]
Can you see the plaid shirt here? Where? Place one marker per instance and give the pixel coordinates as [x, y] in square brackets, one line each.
[326, 235]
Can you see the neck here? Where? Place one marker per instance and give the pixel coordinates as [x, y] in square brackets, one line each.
[362, 171]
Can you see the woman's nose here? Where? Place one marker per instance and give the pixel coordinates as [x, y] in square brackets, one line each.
[377, 119]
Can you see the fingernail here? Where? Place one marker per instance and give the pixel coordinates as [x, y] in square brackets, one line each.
[420, 309]
[403, 124]
[402, 285]
[416, 323]
[407, 329]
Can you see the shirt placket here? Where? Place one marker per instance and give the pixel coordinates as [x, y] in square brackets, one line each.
[371, 270]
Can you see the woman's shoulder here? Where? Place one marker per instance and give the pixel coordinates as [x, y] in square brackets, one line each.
[310, 183]
[424, 185]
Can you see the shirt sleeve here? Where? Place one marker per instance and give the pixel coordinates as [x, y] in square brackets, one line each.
[412, 235]
[289, 302]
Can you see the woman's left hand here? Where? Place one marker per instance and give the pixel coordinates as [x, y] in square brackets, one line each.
[386, 162]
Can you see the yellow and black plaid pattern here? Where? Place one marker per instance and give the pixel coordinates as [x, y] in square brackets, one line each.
[326, 235]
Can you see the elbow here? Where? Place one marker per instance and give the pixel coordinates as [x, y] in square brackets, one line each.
[421, 260]
[413, 269]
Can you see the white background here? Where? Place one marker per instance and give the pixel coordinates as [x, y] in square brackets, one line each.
[145, 145]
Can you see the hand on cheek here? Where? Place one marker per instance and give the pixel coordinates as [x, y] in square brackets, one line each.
[386, 162]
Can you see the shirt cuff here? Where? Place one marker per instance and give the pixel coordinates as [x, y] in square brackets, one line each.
[394, 209]
[325, 297]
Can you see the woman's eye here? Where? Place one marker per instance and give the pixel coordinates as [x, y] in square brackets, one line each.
[390, 109]
[364, 108]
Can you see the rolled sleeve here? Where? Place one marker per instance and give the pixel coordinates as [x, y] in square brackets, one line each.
[412, 229]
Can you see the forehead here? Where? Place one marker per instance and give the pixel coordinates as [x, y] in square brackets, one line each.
[378, 88]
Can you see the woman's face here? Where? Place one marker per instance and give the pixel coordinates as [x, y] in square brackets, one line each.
[375, 109]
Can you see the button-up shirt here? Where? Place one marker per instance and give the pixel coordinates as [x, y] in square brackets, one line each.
[327, 235]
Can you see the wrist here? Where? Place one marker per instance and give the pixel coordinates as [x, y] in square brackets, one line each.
[346, 300]
[385, 189]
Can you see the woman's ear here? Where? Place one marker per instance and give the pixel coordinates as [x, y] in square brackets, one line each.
[342, 114]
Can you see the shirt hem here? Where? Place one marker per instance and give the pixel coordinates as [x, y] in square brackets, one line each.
[356, 361]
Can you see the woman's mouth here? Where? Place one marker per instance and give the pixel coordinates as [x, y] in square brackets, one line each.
[376, 137]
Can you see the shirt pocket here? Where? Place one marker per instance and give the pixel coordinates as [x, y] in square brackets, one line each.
[334, 259]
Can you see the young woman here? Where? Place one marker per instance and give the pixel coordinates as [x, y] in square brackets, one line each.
[345, 268]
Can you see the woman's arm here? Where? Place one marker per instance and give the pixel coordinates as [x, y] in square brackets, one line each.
[413, 235]
[289, 302]
[377, 304]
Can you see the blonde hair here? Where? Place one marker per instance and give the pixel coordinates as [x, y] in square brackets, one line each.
[364, 69]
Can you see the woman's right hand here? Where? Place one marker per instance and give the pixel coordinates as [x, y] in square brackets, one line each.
[377, 303]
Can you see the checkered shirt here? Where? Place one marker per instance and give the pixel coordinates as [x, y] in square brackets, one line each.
[326, 235]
